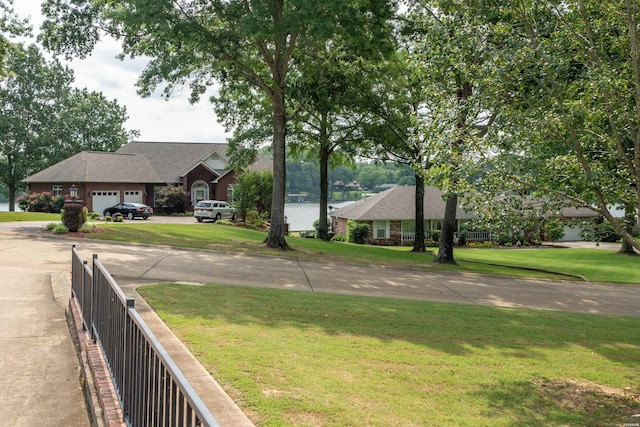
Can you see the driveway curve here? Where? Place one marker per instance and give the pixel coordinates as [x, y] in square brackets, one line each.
[140, 264]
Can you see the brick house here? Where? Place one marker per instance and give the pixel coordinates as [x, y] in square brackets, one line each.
[139, 170]
[391, 217]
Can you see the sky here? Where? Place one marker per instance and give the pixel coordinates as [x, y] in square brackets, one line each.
[156, 119]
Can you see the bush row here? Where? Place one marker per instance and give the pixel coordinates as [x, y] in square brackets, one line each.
[41, 202]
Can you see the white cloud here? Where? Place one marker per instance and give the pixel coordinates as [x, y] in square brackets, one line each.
[175, 120]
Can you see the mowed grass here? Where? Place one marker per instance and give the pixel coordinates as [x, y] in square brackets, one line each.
[304, 359]
[28, 216]
[596, 265]
[570, 264]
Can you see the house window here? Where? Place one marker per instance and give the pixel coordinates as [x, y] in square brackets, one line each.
[56, 190]
[380, 229]
[230, 193]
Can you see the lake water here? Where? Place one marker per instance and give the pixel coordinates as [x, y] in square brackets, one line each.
[4, 207]
[301, 216]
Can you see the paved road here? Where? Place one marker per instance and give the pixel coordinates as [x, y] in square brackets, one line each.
[145, 264]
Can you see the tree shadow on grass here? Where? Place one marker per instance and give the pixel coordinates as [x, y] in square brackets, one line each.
[544, 402]
[451, 328]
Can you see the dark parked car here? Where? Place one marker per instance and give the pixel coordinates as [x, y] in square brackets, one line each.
[130, 210]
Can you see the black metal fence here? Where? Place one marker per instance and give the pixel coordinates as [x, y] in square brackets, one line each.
[151, 388]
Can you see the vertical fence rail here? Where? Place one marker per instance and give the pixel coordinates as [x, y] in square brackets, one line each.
[151, 388]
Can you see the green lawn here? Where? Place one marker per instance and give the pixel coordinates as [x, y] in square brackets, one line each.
[593, 264]
[28, 216]
[303, 359]
[596, 265]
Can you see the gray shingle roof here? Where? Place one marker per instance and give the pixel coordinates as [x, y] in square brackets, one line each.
[91, 166]
[398, 203]
[173, 160]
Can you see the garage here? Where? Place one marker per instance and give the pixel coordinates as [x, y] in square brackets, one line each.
[134, 196]
[100, 200]
[572, 234]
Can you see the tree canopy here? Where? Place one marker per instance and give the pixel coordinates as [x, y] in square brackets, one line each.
[45, 120]
[254, 43]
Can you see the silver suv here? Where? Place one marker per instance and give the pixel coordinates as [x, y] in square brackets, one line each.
[215, 210]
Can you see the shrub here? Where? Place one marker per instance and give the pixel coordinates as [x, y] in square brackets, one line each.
[554, 230]
[252, 192]
[435, 235]
[481, 245]
[94, 215]
[258, 220]
[117, 217]
[60, 229]
[462, 238]
[429, 243]
[357, 232]
[23, 201]
[73, 217]
[51, 226]
[172, 196]
[339, 238]
[41, 202]
[87, 228]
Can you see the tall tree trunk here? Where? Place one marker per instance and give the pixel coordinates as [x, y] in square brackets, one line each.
[12, 197]
[275, 237]
[323, 228]
[445, 252]
[418, 242]
[629, 222]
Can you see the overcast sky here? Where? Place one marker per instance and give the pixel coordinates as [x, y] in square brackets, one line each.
[157, 120]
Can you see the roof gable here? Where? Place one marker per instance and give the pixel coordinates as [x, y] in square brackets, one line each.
[173, 160]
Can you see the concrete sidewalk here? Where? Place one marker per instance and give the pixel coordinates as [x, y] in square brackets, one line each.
[39, 375]
[37, 340]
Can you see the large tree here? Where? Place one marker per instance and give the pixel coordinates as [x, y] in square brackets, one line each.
[328, 125]
[454, 45]
[44, 119]
[571, 131]
[10, 26]
[195, 42]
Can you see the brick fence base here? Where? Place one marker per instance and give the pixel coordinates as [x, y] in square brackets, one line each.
[101, 397]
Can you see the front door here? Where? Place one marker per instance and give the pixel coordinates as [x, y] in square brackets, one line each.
[199, 191]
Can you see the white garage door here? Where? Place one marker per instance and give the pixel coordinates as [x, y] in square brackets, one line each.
[104, 199]
[572, 233]
[133, 196]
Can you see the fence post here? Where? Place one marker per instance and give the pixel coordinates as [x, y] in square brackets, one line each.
[127, 363]
[82, 299]
[73, 263]
[94, 302]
